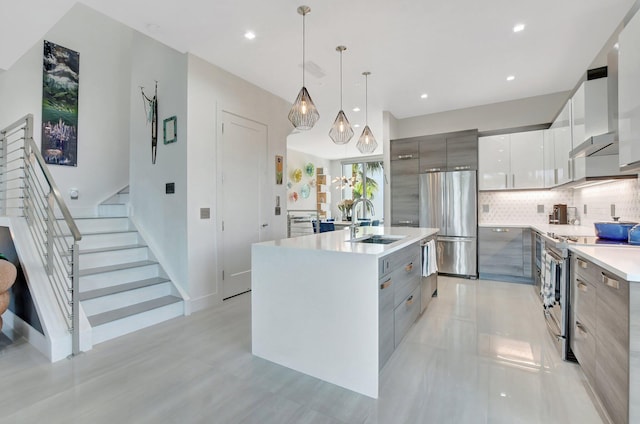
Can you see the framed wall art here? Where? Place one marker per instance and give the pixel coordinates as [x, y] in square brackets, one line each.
[170, 128]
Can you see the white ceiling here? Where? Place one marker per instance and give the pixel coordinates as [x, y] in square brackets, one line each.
[458, 51]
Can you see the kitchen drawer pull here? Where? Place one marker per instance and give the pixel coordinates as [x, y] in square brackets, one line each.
[582, 264]
[460, 168]
[582, 286]
[611, 282]
[500, 230]
[513, 180]
[433, 170]
[409, 267]
[385, 284]
[410, 300]
[405, 222]
[401, 157]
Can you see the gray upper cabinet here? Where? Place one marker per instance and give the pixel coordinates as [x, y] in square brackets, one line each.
[433, 154]
[404, 149]
[462, 152]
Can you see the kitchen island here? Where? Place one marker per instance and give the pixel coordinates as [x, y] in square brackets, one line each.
[317, 302]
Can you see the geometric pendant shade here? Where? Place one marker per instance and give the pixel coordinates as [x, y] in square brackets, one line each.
[341, 131]
[303, 114]
[367, 142]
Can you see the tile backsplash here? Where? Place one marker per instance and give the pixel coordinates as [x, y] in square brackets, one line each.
[524, 206]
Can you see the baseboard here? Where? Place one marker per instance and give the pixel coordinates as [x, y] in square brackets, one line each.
[201, 303]
[33, 336]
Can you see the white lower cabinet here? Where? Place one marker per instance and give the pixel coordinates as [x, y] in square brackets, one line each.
[511, 161]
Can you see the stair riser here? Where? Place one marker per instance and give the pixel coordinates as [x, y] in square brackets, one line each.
[109, 279]
[113, 210]
[120, 300]
[133, 323]
[108, 240]
[94, 260]
[102, 224]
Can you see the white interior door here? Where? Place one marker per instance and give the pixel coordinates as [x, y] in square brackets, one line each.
[244, 155]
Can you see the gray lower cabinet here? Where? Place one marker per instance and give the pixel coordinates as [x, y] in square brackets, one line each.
[398, 298]
[599, 334]
[505, 253]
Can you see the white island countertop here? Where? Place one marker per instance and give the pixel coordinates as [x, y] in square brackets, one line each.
[338, 241]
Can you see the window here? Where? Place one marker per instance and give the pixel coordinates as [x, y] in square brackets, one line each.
[365, 179]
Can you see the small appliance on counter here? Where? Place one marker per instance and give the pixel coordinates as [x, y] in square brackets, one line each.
[559, 214]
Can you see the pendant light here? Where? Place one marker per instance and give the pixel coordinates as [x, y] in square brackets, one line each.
[367, 142]
[303, 114]
[341, 131]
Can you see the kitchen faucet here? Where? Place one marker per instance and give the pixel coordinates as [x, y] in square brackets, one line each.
[354, 220]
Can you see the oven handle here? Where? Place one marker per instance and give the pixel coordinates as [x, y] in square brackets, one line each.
[559, 260]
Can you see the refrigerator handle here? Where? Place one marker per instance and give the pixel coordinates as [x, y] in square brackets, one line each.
[457, 239]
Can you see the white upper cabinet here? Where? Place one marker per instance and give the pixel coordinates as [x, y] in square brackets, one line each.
[511, 161]
[494, 166]
[629, 93]
[527, 169]
[558, 170]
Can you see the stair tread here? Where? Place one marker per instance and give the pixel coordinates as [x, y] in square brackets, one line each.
[109, 316]
[99, 233]
[92, 294]
[78, 218]
[116, 267]
[112, 248]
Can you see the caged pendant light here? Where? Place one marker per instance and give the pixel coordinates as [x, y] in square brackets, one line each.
[341, 131]
[367, 142]
[303, 114]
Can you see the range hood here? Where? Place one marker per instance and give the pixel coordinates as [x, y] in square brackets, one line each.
[596, 169]
[597, 145]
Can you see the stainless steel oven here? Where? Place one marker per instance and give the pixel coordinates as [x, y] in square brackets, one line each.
[539, 247]
[555, 295]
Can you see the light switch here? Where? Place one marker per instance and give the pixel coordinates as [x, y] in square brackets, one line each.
[205, 213]
[485, 208]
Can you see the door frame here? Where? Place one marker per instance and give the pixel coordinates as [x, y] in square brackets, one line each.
[263, 192]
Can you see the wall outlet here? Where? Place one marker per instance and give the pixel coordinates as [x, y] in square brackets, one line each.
[485, 208]
[205, 213]
[540, 208]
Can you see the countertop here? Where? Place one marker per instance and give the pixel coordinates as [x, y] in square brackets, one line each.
[338, 241]
[621, 261]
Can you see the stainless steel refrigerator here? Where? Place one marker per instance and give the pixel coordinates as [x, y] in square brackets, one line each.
[448, 201]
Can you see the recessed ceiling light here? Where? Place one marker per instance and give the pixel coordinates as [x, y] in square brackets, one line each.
[518, 27]
[356, 126]
[510, 78]
[356, 109]
[249, 35]
[424, 96]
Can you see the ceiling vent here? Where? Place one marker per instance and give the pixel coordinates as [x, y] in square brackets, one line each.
[314, 69]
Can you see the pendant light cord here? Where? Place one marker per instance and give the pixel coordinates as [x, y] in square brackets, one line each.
[303, 42]
[341, 80]
[366, 99]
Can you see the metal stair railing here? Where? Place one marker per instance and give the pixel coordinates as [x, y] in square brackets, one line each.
[27, 189]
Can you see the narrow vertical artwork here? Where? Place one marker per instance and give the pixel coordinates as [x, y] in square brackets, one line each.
[279, 169]
[60, 77]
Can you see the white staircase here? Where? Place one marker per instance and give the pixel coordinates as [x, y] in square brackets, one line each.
[122, 287]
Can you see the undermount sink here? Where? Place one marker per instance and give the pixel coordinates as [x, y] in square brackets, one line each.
[377, 239]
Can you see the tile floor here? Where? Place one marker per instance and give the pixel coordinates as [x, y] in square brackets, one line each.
[479, 354]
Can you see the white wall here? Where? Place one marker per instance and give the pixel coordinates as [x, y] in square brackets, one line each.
[298, 160]
[103, 118]
[211, 91]
[160, 217]
[511, 114]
